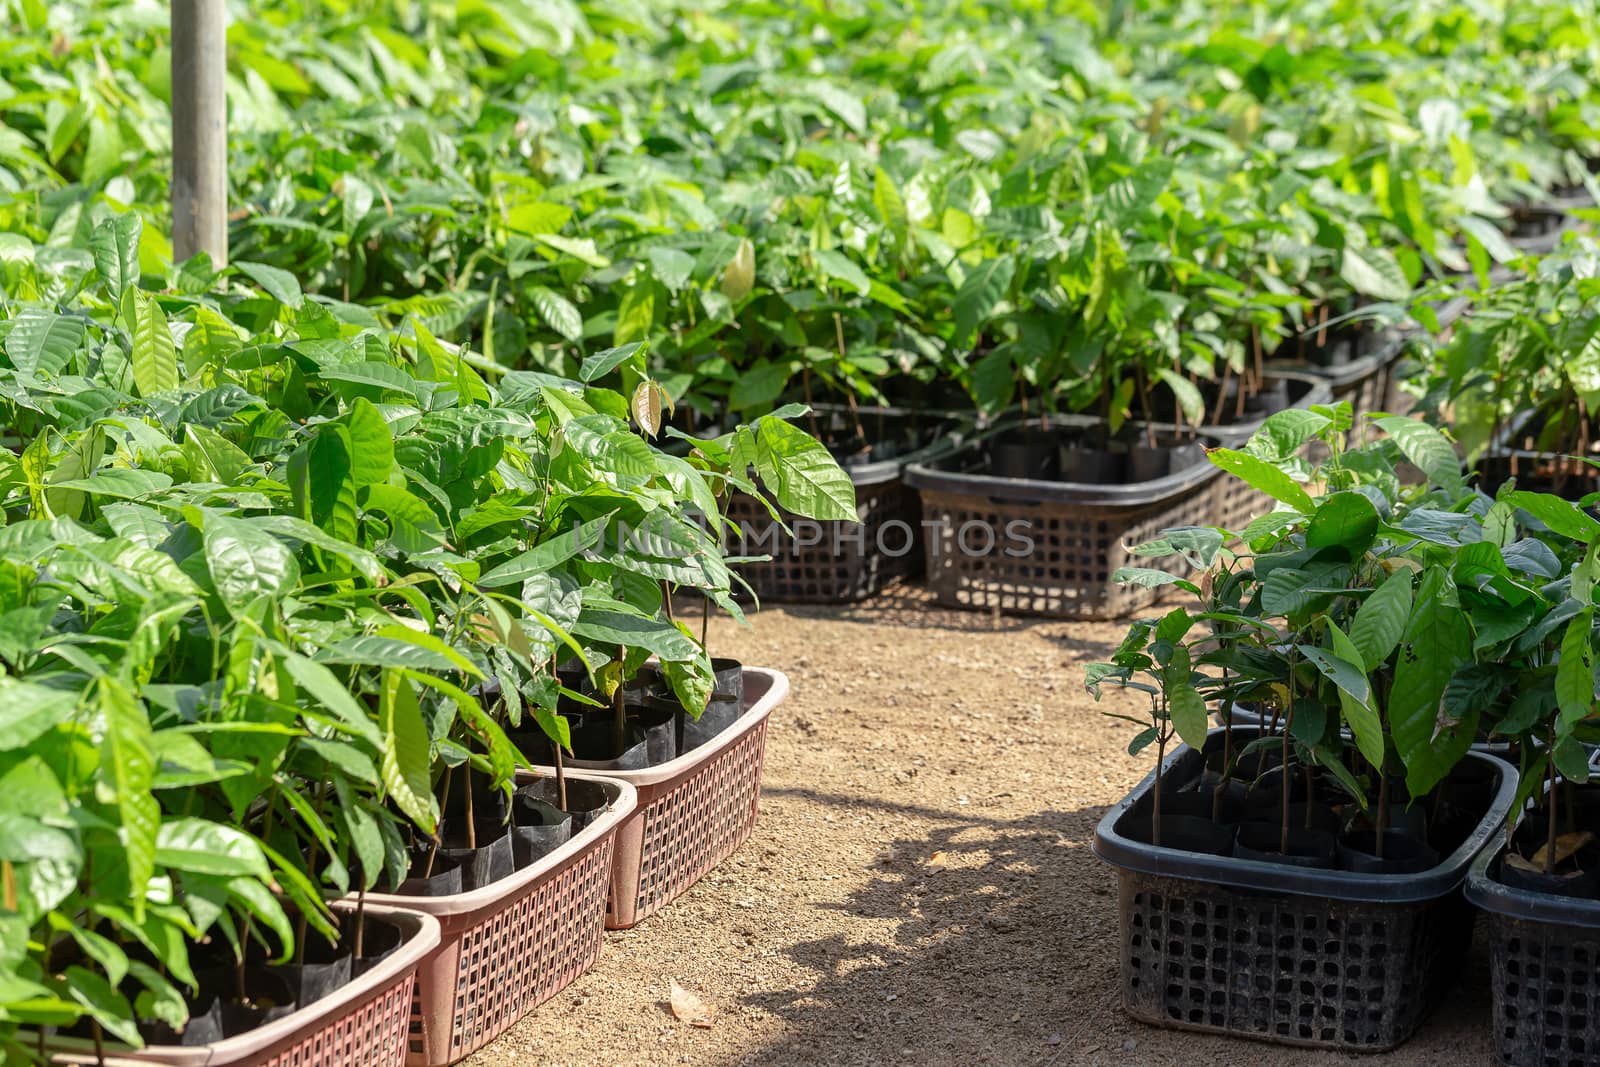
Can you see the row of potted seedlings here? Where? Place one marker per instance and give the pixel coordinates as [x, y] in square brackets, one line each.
[294, 604]
[1075, 489]
[1367, 645]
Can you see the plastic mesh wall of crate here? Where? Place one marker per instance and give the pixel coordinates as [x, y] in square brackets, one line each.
[374, 1034]
[1294, 970]
[696, 823]
[1546, 982]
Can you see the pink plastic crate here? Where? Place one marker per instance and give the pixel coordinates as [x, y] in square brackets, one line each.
[508, 947]
[364, 1023]
[694, 811]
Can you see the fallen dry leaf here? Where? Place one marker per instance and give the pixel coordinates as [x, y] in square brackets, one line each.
[936, 860]
[688, 1008]
[1567, 846]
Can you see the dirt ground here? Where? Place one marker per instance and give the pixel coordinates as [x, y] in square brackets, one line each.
[920, 888]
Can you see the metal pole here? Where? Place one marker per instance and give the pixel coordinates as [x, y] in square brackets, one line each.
[199, 130]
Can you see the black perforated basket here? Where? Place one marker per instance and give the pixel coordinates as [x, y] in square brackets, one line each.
[1544, 962]
[1051, 547]
[1291, 955]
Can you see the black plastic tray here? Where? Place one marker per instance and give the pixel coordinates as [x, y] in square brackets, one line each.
[1185, 762]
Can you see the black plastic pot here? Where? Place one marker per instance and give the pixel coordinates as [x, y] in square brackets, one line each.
[1026, 453]
[720, 714]
[1202, 803]
[538, 828]
[484, 864]
[594, 745]
[1185, 833]
[1235, 945]
[728, 678]
[443, 879]
[586, 800]
[1403, 853]
[1270, 399]
[324, 968]
[268, 997]
[657, 717]
[1264, 841]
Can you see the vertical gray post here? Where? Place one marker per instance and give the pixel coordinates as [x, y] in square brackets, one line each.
[199, 129]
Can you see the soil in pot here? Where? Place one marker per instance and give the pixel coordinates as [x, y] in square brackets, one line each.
[594, 746]
[1026, 453]
[485, 857]
[586, 801]
[539, 828]
[1263, 841]
[1186, 833]
[1403, 853]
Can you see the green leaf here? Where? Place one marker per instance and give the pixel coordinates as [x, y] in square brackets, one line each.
[127, 772]
[557, 312]
[1374, 272]
[31, 710]
[1285, 432]
[1428, 449]
[801, 473]
[1185, 705]
[1263, 476]
[839, 267]
[1345, 674]
[636, 313]
[372, 444]
[115, 245]
[279, 283]
[1562, 516]
[42, 343]
[1575, 670]
[985, 286]
[332, 696]
[206, 847]
[604, 362]
[1435, 642]
[155, 356]
[406, 755]
[1359, 714]
[1381, 619]
[1190, 402]
[121, 483]
[1347, 520]
[548, 554]
[245, 561]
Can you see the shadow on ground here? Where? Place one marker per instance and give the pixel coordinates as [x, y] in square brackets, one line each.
[1006, 952]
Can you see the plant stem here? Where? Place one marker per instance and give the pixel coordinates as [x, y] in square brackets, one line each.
[1155, 811]
[1283, 758]
[619, 706]
[472, 822]
[1550, 832]
[361, 916]
[561, 778]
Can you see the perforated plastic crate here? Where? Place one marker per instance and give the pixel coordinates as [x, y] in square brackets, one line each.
[1544, 962]
[364, 1022]
[1291, 955]
[693, 811]
[510, 946]
[1051, 548]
